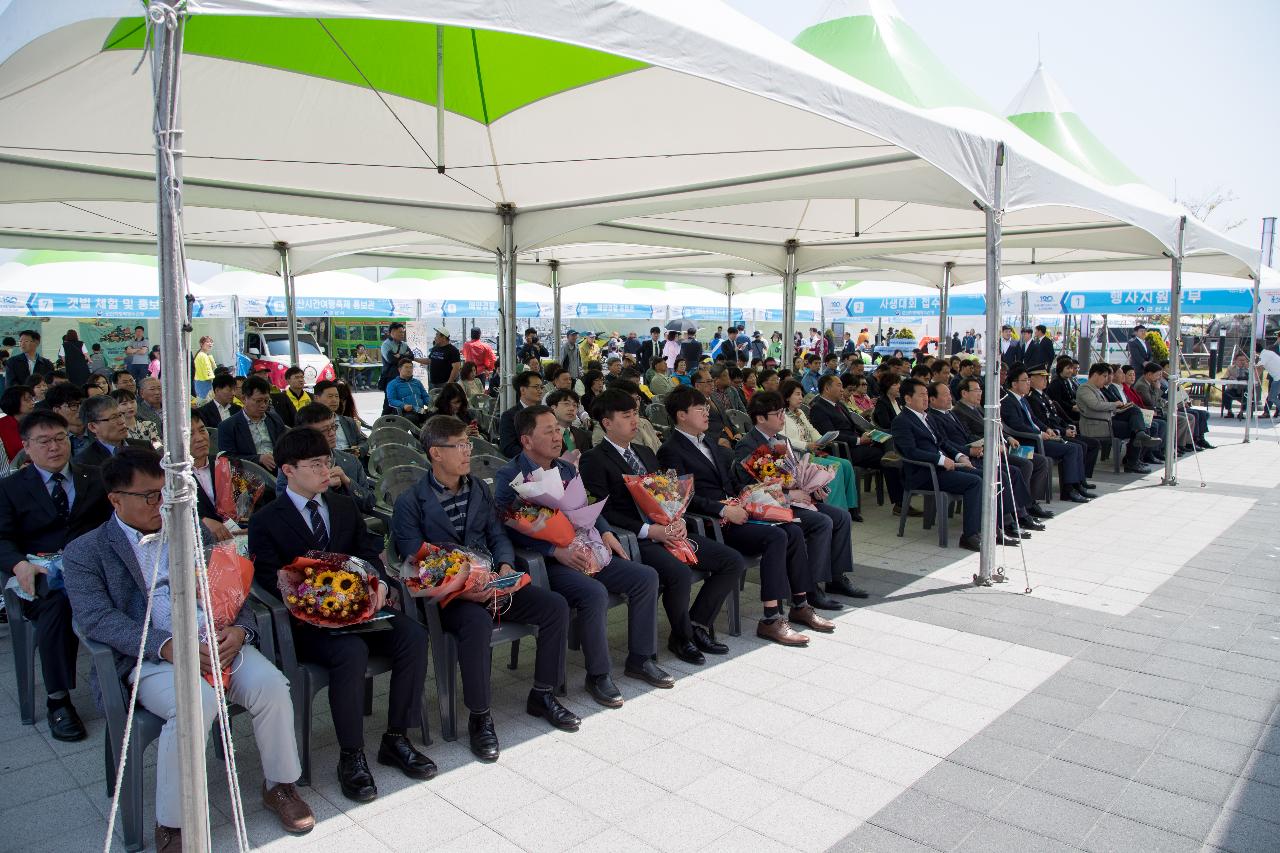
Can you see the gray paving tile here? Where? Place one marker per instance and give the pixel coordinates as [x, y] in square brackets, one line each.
[1265, 767]
[870, 838]
[1222, 726]
[1205, 750]
[1257, 799]
[1167, 810]
[1062, 686]
[1183, 777]
[992, 836]
[1115, 834]
[927, 819]
[1027, 733]
[1050, 709]
[964, 786]
[1235, 704]
[1047, 814]
[1077, 782]
[1147, 708]
[998, 758]
[1130, 730]
[1109, 756]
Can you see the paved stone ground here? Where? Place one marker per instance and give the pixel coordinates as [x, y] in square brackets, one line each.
[1129, 703]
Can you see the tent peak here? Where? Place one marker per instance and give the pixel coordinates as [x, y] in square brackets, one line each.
[834, 10]
[1041, 94]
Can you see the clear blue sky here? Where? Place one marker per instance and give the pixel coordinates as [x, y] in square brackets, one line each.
[1179, 90]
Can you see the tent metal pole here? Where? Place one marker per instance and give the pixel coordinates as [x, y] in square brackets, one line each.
[1257, 319]
[1026, 312]
[728, 292]
[555, 309]
[507, 302]
[992, 438]
[1175, 319]
[440, 114]
[789, 277]
[166, 20]
[290, 301]
[944, 306]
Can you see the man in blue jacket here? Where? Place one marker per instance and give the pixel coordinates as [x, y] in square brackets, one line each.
[451, 507]
[406, 395]
[541, 444]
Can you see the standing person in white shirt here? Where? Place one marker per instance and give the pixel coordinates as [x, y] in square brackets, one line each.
[1269, 361]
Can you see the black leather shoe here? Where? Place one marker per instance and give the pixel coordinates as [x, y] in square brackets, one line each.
[855, 515]
[1030, 523]
[484, 740]
[819, 600]
[65, 725]
[1039, 511]
[397, 751]
[686, 651]
[1017, 533]
[1137, 469]
[840, 585]
[1005, 538]
[543, 703]
[651, 673]
[707, 643]
[1204, 445]
[971, 543]
[1074, 498]
[604, 691]
[1087, 486]
[354, 777]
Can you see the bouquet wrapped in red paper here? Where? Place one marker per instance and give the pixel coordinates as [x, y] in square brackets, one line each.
[238, 491]
[551, 510]
[230, 578]
[329, 590]
[445, 573]
[766, 502]
[663, 497]
[771, 464]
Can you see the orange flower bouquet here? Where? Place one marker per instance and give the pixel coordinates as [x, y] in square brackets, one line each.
[329, 590]
[663, 497]
[230, 578]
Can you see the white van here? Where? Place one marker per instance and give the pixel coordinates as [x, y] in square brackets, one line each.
[269, 347]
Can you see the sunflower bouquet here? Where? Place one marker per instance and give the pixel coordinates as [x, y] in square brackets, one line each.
[771, 464]
[445, 573]
[329, 590]
[662, 498]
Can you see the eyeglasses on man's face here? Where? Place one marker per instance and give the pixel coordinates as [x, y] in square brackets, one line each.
[150, 498]
[460, 446]
[47, 441]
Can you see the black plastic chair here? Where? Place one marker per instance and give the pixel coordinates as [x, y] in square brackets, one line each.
[395, 481]
[487, 467]
[391, 435]
[397, 421]
[937, 503]
[22, 634]
[483, 447]
[738, 420]
[387, 456]
[306, 680]
[657, 415]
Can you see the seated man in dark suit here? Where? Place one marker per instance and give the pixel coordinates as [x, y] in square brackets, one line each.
[603, 468]
[252, 432]
[347, 476]
[1062, 387]
[954, 440]
[915, 440]
[105, 425]
[828, 413]
[44, 506]
[350, 437]
[221, 405]
[967, 412]
[1015, 413]
[785, 568]
[826, 530]
[214, 524]
[451, 506]
[1047, 411]
[108, 574]
[528, 387]
[567, 568]
[304, 518]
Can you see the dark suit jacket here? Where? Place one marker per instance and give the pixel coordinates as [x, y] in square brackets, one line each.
[712, 482]
[206, 504]
[915, 441]
[95, 454]
[508, 441]
[211, 416]
[581, 438]
[691, 351]
[827, 416]
[1015, 418]
[955, 438]
[505, 497]
[1063, 393]
[649, 350]
[744, 448]
[17, 371]
[970, 419]
[278, 534]
[418, 517]
[109, 595]
[283, 406]
[1039, 353]
[29, 523]
[1014, 354]
[602, 470]
[1139, 353]
[1047, 411]
[235, 440]
[883, 415]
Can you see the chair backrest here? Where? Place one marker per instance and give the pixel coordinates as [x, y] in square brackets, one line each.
[396, 421]
[387, 456]
[482, 404]
[738, 420]
[480, 447]
[395, 481]
[391, 435]
[657, 415]
[20, 458]
[486, 467]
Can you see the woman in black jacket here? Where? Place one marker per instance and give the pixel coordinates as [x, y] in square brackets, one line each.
[888, 404]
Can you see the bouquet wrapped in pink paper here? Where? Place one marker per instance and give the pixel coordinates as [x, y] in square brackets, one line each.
[546, 490]
[809, 482]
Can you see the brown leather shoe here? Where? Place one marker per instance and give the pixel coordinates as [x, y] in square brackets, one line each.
[295, 815]
[809, 617]
[168, 839]
[781, 632]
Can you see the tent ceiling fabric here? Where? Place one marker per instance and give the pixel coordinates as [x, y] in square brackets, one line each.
[364, 190]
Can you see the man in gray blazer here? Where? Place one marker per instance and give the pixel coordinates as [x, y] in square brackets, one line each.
[108, 573]
[1098, 418]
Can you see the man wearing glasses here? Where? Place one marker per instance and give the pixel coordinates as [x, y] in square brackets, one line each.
[529, 388]
[346, 474]
[451, 506]
[109, 573]
[42, 508]
[105, 425]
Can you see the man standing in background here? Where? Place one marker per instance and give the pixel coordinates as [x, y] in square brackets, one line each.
[137, 355]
